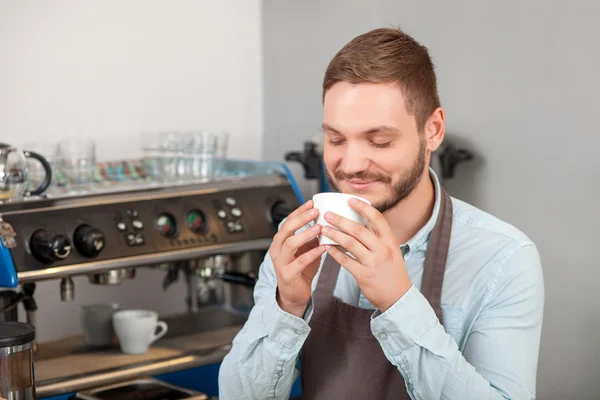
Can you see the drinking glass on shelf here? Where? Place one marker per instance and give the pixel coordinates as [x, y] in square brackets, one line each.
[173, 148]
[200, 154]
[151, 155]
[221, 153]
[161, 154]
[78, 157]
[222, 145]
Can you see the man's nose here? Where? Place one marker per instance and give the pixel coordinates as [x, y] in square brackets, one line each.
[354, 160]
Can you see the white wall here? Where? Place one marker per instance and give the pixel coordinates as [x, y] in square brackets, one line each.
[111, 69]
[519, 82]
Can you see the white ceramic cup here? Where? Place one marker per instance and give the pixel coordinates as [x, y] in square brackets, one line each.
[338, 204]
[136, 330]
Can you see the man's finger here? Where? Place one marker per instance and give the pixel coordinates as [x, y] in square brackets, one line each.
[293, 224]
[304, 207]
[300, 263]
[354, 229]
[308, 246]
[376, 220]
[349, 263]
[354, 247]
[293, 243]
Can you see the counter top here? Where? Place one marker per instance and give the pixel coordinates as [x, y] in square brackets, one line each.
[66, 365]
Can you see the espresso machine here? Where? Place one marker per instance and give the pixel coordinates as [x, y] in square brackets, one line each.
[213, 233]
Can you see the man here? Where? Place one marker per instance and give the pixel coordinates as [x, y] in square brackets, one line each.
[434, 298]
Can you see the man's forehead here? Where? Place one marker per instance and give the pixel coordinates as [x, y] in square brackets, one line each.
[365, 104]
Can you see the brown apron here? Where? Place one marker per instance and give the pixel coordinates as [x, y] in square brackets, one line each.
[341, 359]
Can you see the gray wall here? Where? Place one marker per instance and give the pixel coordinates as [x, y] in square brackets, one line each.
[519, 83]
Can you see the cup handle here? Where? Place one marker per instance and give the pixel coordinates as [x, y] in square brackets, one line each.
[47, 178]
[163, 329]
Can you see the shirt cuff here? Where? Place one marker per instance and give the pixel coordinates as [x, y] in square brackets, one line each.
[404, 322]
[282, 327]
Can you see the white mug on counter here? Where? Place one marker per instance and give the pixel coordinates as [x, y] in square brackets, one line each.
[136, 330]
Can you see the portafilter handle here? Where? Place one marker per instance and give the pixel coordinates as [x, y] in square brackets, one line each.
[239, 278]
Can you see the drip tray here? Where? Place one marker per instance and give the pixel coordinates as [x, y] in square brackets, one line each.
[147, 389]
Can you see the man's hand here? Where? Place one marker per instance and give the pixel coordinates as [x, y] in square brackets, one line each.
[378, 265]
[296, 259]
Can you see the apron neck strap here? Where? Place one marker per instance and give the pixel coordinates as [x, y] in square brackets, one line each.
[436, 256]
[328, 276]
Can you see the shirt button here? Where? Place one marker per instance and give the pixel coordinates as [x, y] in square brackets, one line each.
[382, 336]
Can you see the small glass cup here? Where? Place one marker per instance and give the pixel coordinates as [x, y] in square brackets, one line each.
[162, 155]
[78, 158]
[222, 149]
[200, 148]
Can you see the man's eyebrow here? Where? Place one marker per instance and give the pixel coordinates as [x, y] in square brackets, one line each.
[370, 131]
[328, 128]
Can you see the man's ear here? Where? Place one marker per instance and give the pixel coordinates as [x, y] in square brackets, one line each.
[435, 129]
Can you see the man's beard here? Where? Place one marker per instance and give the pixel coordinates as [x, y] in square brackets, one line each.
[400, 190]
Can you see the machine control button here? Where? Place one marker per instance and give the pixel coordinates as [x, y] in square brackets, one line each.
[132, 213]
[236, 212]
[234, 226]
[139, 239]
[137, 224]
[89, 241]
[230, 201]
[222, 214]
[279, 212]
[122, 226]
[130, 237]
[48, 247]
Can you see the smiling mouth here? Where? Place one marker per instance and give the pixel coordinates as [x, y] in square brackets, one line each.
[360, 185]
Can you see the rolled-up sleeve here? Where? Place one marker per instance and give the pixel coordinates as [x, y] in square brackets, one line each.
[500, 357]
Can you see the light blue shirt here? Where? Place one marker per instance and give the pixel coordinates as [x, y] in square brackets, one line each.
[492, 302]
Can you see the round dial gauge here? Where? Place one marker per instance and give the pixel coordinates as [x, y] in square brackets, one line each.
[166, 225]
[196, 221]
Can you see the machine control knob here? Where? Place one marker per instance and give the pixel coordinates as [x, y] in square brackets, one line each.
[89, 241]
[48, 247]
[279, 212]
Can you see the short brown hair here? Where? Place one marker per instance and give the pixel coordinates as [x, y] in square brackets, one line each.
[389, 55]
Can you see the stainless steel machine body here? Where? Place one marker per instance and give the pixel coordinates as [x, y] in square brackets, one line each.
[60, 238]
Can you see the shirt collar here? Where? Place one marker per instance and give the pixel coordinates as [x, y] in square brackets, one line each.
[422, 236]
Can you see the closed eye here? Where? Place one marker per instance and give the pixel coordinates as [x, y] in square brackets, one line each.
[381, 145]
[336, 142]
